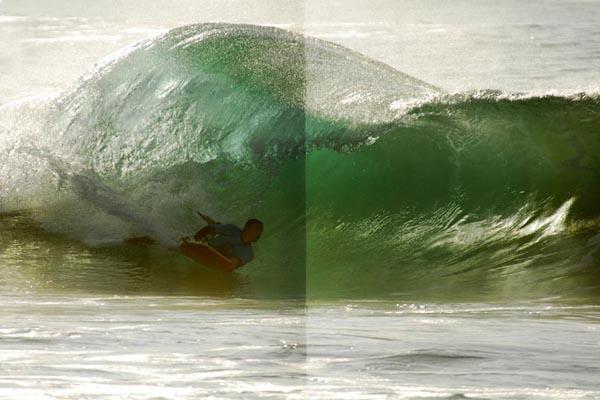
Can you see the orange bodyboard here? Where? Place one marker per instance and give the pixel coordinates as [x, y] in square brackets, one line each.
[206, 255]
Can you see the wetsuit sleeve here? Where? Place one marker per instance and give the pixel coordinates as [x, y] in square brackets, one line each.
[226, 229]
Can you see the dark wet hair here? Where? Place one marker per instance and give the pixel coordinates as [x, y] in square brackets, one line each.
[253, 221]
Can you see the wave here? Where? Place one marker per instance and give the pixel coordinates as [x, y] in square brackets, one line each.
[368, 180]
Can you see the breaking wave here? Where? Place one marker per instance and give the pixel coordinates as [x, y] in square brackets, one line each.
[368, 181]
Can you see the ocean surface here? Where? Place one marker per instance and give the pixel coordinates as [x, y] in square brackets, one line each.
[428, 175]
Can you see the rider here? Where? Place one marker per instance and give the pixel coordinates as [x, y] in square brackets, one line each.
[231, 241]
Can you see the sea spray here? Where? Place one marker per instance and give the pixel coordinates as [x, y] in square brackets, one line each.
[369, 182]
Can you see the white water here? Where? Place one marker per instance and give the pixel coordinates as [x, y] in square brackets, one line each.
[143, 347]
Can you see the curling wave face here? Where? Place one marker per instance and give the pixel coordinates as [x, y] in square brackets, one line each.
[369, 182]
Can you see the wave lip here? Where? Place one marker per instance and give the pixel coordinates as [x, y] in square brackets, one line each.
[204, 90]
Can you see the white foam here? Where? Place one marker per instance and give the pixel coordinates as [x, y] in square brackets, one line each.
[11, 18]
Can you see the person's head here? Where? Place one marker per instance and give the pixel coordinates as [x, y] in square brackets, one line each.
[252, 230]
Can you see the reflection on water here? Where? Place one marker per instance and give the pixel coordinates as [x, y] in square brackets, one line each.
[35, 260]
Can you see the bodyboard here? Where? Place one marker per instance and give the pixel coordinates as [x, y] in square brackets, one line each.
[206, 255]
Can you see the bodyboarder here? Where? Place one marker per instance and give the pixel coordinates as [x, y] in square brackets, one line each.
[230, 241]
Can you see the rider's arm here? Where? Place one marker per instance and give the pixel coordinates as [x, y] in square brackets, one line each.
[208, 219]
[204, 232]
[216, 229]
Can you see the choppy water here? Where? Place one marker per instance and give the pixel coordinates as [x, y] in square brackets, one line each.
[194, 347]
[432, 224]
